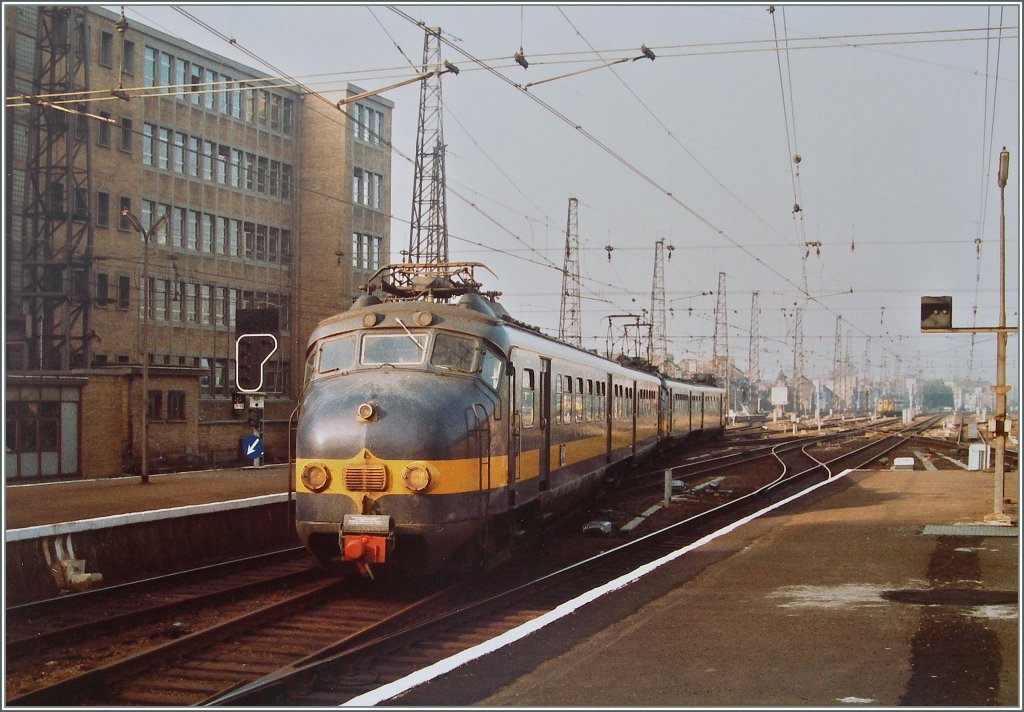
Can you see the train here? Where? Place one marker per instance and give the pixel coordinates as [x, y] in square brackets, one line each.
[433, 430]
[890, 405]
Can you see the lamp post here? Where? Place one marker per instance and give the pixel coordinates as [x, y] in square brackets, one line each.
[153, 227]
[1001, 387]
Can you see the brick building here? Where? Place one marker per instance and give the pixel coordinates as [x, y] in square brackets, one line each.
[263, 197]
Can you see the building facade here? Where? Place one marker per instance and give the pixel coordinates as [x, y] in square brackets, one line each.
[153, 189]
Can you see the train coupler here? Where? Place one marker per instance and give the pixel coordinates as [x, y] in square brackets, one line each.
[366, 539]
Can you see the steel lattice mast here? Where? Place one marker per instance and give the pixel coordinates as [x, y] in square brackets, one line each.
[659, 339]
[798, 358]
[428, 227]
[57, 241]
[569, 328]
[720, 343]
[754, 352]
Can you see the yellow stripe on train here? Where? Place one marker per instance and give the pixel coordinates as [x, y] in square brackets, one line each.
[367, 473]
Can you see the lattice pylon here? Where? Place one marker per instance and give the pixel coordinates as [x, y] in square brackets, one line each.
[569, 324]
[659, 336]
[57, 244]
[720, 343]
[428, 226]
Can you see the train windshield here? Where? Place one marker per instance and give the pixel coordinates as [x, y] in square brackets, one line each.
[396, 349]
[454, 353]
[338, 354]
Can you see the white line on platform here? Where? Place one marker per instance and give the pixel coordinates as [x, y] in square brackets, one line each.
[118, 520]
[445, 666]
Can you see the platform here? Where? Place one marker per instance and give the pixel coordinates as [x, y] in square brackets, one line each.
[885, 588]
[64, 537]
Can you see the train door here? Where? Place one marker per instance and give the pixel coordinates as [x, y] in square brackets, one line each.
[609, 413]
[633, 407]
[515, 429]
[664, 412]
[545, 424]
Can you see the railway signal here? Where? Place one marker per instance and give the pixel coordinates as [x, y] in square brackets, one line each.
[252, 351]
[255, 342]
[936, 313]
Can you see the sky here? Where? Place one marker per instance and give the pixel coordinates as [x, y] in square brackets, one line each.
[897, 115]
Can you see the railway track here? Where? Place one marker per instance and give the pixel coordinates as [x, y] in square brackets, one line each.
[239, 647]
[377, 670]
[334, 641]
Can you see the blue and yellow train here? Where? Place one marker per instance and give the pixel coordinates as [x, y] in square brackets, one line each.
[430, 434]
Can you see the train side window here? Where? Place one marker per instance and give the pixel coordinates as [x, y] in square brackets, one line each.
[589, 405]
[526, 406]
[490, 369]
[558, 399]
[338, 354]
[567, 401]
[579, 400]
[454, 353]
[310, 366]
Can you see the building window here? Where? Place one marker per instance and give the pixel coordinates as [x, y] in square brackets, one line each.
[148, 131]
[103, 137]
[149, 67]
[166, 69]
[163, 149]
[197, 83]
[182, 77]
[128, 57]
[122, 222]
[124, 290]
[250, 171]
[178, 153]
[275, 177]
[79, 204]
[261, 174]
[224, 95]
[367, 188]
[207, 160]
[102, 298]
[286, 181]
[366, 251]
[126, 134]
[103, 209]
[223, 158]
[154, 403]
[209, 89]
[287, 116]
[175, 405]
[192, 156]
[81, 125]
[106, 49]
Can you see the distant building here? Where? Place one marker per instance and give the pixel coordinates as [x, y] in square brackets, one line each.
[271, 198]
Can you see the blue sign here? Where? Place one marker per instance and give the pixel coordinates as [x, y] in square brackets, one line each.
[252, 446]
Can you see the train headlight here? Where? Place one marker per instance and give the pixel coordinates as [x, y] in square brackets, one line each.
[416, 476]
[316, 476]
[366, 412]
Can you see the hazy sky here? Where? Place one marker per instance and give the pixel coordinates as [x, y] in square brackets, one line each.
[898, 114]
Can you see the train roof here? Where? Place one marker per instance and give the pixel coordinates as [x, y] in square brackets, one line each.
[415, 291]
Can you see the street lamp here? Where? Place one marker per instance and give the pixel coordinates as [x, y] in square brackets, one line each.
[1001, 387]
[153, 227]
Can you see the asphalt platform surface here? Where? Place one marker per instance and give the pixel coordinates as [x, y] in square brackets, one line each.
[838, 600]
